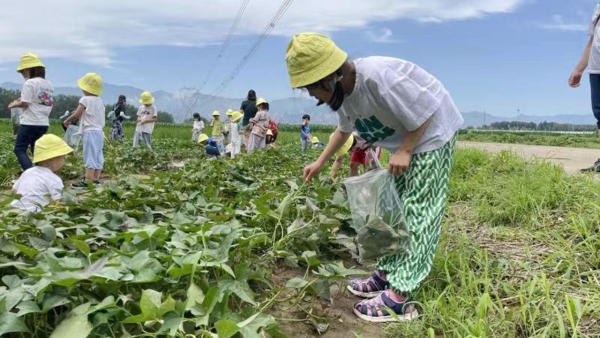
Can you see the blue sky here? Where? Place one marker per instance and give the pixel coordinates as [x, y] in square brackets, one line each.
[499, 56]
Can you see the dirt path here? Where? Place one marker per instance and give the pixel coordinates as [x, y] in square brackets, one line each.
[572, 159]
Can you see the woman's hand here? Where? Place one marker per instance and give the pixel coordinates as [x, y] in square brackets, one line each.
[312, 170]
[575, 78]
[399, 162]
[14, 103]
[67, 123]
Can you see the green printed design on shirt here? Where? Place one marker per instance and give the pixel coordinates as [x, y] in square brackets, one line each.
[372, 130]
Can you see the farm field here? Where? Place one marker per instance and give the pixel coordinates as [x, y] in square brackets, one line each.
[582, 140]
[176, 245]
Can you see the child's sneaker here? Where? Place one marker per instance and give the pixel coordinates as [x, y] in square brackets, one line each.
[80, 185]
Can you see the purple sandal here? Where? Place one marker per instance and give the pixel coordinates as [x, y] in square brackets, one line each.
[368, 288]
[376, 310]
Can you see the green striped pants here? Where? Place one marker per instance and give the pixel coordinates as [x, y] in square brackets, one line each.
[423, 190]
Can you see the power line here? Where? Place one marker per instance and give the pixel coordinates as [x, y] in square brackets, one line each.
[226, 42]
[189, 102]
[264, 34]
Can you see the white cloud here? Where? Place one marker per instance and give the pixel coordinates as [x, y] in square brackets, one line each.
[92, 31]
[559, 24]
[384, 35]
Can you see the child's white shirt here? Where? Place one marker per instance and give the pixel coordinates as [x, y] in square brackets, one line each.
[144, 114]
[93, 116]
[198, 125]
[38, 186]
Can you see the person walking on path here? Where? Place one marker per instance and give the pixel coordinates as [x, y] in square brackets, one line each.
[590, 60]
[37, 99]
[397, 105]
[249, 109]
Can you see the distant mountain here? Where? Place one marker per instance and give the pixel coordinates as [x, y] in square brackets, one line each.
[183, 103]
[478, 119]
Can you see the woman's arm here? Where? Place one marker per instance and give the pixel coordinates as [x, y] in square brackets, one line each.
[18, 104]
[76, 115]
[575, 78]
[400, 160]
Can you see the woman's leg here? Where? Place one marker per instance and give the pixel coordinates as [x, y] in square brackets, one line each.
[595, 91]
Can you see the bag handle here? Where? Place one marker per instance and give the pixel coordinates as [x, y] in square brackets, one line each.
[371, 157]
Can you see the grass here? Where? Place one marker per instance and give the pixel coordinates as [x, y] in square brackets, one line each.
[519, 254]
[589, 140]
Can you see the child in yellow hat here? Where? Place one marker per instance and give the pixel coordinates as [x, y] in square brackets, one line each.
[92, 120]
[37, 98]
[235, 133]
[399, 106]
[147, 118]
[260, 126]
[217, 130]
[39, 185]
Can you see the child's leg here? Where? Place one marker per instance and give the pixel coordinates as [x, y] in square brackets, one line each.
[147, 139]
[136, 139]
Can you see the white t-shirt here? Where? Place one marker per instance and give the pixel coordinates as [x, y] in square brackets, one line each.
[198, 125]
[93, 117]
[38, 186]
[392, 97]
[146, 113]
[593, 31]
[39, 94]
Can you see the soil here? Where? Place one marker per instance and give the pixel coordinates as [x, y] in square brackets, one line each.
[343, 323]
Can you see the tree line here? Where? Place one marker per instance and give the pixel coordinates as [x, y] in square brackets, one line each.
[62, 103]
[542, 126]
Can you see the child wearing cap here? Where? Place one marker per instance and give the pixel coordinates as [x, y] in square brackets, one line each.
[305, 136]
[270, 139]
[227, 127]
[90, 112]
[37, 98]
[316, 143]
[197, 127]
[395, 104]
[147, 117]
[260, 126]
[213, 147]
[217, 130]
[235, 130]
[39, 185]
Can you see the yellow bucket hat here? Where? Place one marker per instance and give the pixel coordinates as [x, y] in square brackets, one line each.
[50, 146]
[229, 112]
[270, 132]
[311, 57]
[91, 83]
[236, 116]
[146, 98]
[260, 101]
[315, 140]
[202, 138]
[27, 61]
[216, 113]
[346, 147]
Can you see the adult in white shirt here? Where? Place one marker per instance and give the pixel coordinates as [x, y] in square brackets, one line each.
[37, 98]
[396, 105]
[590, 60]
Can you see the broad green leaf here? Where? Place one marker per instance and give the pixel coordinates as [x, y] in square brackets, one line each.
[171, 323]
[74, 326]
[12, 281]
[194, 296]
[82, 246]
[204, 310]
[239, 288]
[150, 303]
[27, 251]
[52, 301]
[48, 232]
[27, 307]
[39, 243]
[10, 322]
[251, 327]
[297, 224]
[166, 306]
[296, 283]
[226, 328]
